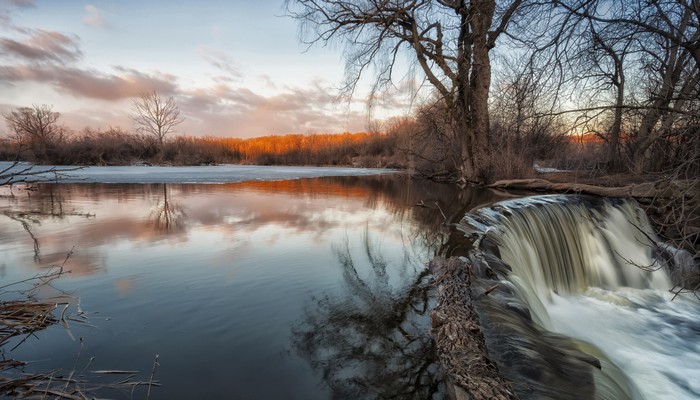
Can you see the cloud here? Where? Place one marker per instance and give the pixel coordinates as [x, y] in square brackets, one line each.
[43, 45]
[221, 61]
[232, 104]
[223, 110]
[7, 7]
[95, 17]
[124, 83]
[19, 3]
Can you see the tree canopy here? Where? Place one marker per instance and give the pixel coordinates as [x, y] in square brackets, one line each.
[449, 40]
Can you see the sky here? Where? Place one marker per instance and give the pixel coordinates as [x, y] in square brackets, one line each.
[234, 67]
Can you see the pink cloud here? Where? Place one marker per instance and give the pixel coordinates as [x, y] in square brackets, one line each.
[229, 111]
[91, 84]
[43, 45]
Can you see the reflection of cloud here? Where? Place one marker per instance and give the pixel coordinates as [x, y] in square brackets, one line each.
[80, 263]
[268, 211]
[232, 210]
[125, 285]
[95, 17]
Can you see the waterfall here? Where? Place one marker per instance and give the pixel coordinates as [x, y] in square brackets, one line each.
[584, 273]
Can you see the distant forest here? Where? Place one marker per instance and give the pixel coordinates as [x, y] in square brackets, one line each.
[116, 146]
[421, 144]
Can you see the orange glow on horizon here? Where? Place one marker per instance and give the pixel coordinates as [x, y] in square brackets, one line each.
[251, 149]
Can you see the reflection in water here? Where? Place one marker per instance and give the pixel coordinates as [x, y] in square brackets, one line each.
[29, 211]
[211, 277]
[168, 217]
[371, 340]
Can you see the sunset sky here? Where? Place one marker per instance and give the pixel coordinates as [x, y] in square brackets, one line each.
[235, 68]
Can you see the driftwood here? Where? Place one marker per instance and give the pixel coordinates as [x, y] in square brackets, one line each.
[459, 340]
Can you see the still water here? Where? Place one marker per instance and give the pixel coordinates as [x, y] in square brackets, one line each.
[292, 289]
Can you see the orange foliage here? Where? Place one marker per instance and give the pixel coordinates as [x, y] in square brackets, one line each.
[297, 148]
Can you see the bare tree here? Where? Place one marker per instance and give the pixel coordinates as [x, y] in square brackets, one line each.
[36, 127]
[155, 115]
[522, 130]
[449, 39]
[642, 58]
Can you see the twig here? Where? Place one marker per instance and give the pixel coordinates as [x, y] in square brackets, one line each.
[150, 381]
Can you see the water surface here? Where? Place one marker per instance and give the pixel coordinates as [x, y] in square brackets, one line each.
[296, 289]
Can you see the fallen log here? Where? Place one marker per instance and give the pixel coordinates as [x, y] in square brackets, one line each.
[460, 343]
[663, 189]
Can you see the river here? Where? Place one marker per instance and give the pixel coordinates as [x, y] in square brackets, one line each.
[303, 283]
[309, 288]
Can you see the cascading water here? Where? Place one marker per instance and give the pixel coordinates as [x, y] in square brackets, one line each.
[587, 268]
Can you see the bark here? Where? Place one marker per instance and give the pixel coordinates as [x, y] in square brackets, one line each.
[451, 41]
[481, 83]
[459, 340]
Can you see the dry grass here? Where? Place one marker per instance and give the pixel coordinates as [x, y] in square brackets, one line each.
[23, 316]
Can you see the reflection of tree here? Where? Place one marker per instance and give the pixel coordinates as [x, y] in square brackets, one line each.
[368, 341]
[26, 221]
[45, 205]
[168, 217]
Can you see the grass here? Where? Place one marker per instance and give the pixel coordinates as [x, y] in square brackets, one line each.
[24, 314]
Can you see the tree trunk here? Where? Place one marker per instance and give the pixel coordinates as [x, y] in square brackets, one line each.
[480, 108]
[475, 80]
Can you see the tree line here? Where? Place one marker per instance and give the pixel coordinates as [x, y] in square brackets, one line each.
[422, 144]
[512, 81]
[37, 136]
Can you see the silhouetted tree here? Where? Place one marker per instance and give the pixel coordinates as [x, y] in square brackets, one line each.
[155, 115]
[36, 127]
[632, 68]
[449, 39]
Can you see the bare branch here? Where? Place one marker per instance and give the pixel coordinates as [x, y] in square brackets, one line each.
[155, 115]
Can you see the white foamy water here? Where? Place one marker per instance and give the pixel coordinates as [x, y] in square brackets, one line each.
[583, 268]
[652, 339]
